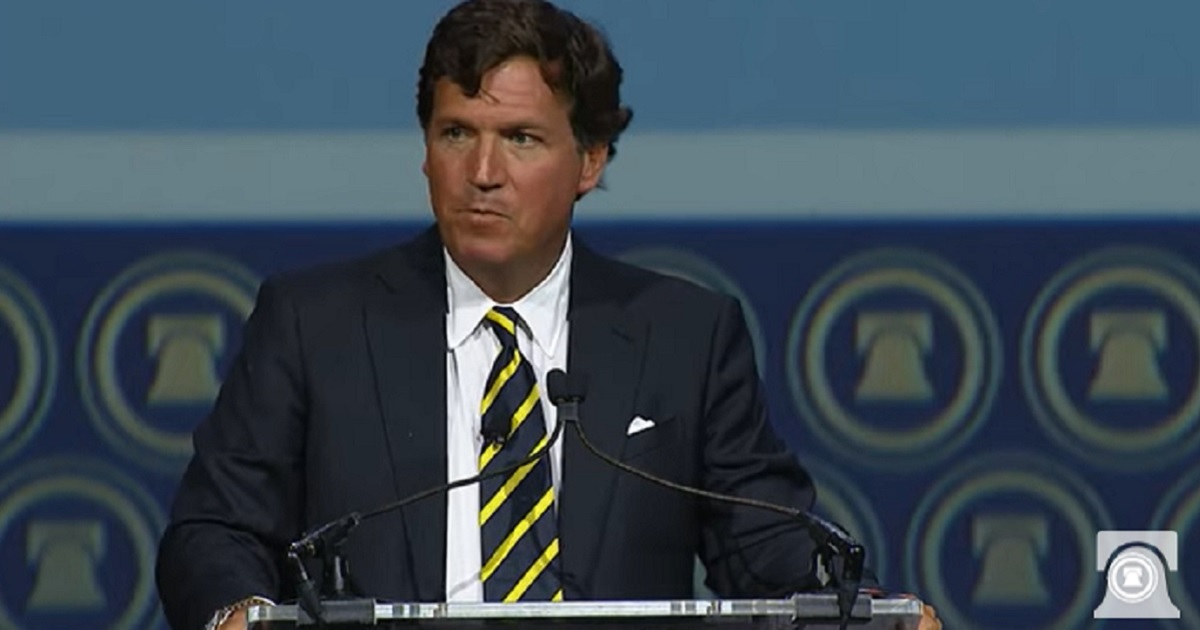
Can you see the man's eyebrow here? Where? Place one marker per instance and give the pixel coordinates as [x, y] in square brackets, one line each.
[522, 125]
[507, 127]
[446, 121]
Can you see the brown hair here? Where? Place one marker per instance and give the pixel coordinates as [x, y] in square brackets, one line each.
[576, 61]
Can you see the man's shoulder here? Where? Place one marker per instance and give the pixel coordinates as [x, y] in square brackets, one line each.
[646, 288]
[346, 280]
[321, 279]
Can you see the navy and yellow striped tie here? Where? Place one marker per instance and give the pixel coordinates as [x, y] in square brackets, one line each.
[517, 519]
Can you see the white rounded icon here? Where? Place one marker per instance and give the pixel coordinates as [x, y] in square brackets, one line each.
[1133, 577]
[1137, 563]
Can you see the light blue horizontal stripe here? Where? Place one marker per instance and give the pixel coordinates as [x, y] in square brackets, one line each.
[752, 175]
[689, 64]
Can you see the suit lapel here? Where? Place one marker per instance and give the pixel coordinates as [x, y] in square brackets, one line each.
[608, 350]
[405, 325]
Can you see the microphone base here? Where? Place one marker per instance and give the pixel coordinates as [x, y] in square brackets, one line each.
[357, 611]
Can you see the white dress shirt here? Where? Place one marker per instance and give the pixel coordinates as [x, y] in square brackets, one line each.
[472, 348]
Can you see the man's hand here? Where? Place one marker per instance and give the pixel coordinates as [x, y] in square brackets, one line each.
[929, 618]
[237, 618]
[235, 613]
[238, 622]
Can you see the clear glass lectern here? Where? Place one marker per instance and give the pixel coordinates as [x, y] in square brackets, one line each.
[808, 611]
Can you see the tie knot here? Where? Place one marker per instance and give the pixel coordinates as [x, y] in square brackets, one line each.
[504, 320]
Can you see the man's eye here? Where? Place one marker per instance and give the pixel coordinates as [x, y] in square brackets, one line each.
[521, 138]
[454, 133]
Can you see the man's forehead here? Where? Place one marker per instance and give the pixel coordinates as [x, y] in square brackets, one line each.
[496, 94]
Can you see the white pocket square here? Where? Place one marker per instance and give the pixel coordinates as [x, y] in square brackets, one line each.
[639, 424]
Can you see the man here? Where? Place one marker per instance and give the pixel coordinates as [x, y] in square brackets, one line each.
[368, 381]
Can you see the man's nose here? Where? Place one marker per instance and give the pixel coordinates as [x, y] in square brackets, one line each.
[487, 167]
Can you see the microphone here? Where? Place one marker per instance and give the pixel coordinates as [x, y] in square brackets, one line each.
[566, 392]
[495, 431]
[325, 542]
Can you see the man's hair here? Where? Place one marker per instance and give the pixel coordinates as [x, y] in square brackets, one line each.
[575, 58]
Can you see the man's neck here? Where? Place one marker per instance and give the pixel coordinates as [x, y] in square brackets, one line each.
[506, 288]
[509, 283]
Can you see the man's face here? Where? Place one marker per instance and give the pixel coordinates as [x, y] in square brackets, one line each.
[504, 169]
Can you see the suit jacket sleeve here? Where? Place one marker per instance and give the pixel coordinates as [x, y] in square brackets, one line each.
[240, 499]
[749, 552]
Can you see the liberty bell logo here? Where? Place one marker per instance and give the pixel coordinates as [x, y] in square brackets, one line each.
[65, 554]
[894, 344]
[1010, 546]
[187, 347]
[1128, 343]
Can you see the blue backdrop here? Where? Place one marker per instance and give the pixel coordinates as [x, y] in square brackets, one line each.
[965, 238]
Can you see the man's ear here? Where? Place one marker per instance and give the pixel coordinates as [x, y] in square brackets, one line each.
[595, 159]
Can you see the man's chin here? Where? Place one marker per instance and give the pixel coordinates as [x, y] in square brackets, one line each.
[476, 254]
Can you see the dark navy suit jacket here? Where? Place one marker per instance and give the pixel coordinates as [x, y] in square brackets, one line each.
[337, 402]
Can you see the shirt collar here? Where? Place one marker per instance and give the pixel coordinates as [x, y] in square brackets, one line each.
[544, 308]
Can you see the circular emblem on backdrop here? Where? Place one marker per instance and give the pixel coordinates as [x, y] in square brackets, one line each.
[839, 500]
[77, 548]
[1180, 512]
[894, 358]
[1001, 541]
[153, 347]
[688, 266]
[1110, 358]
[28, 363]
